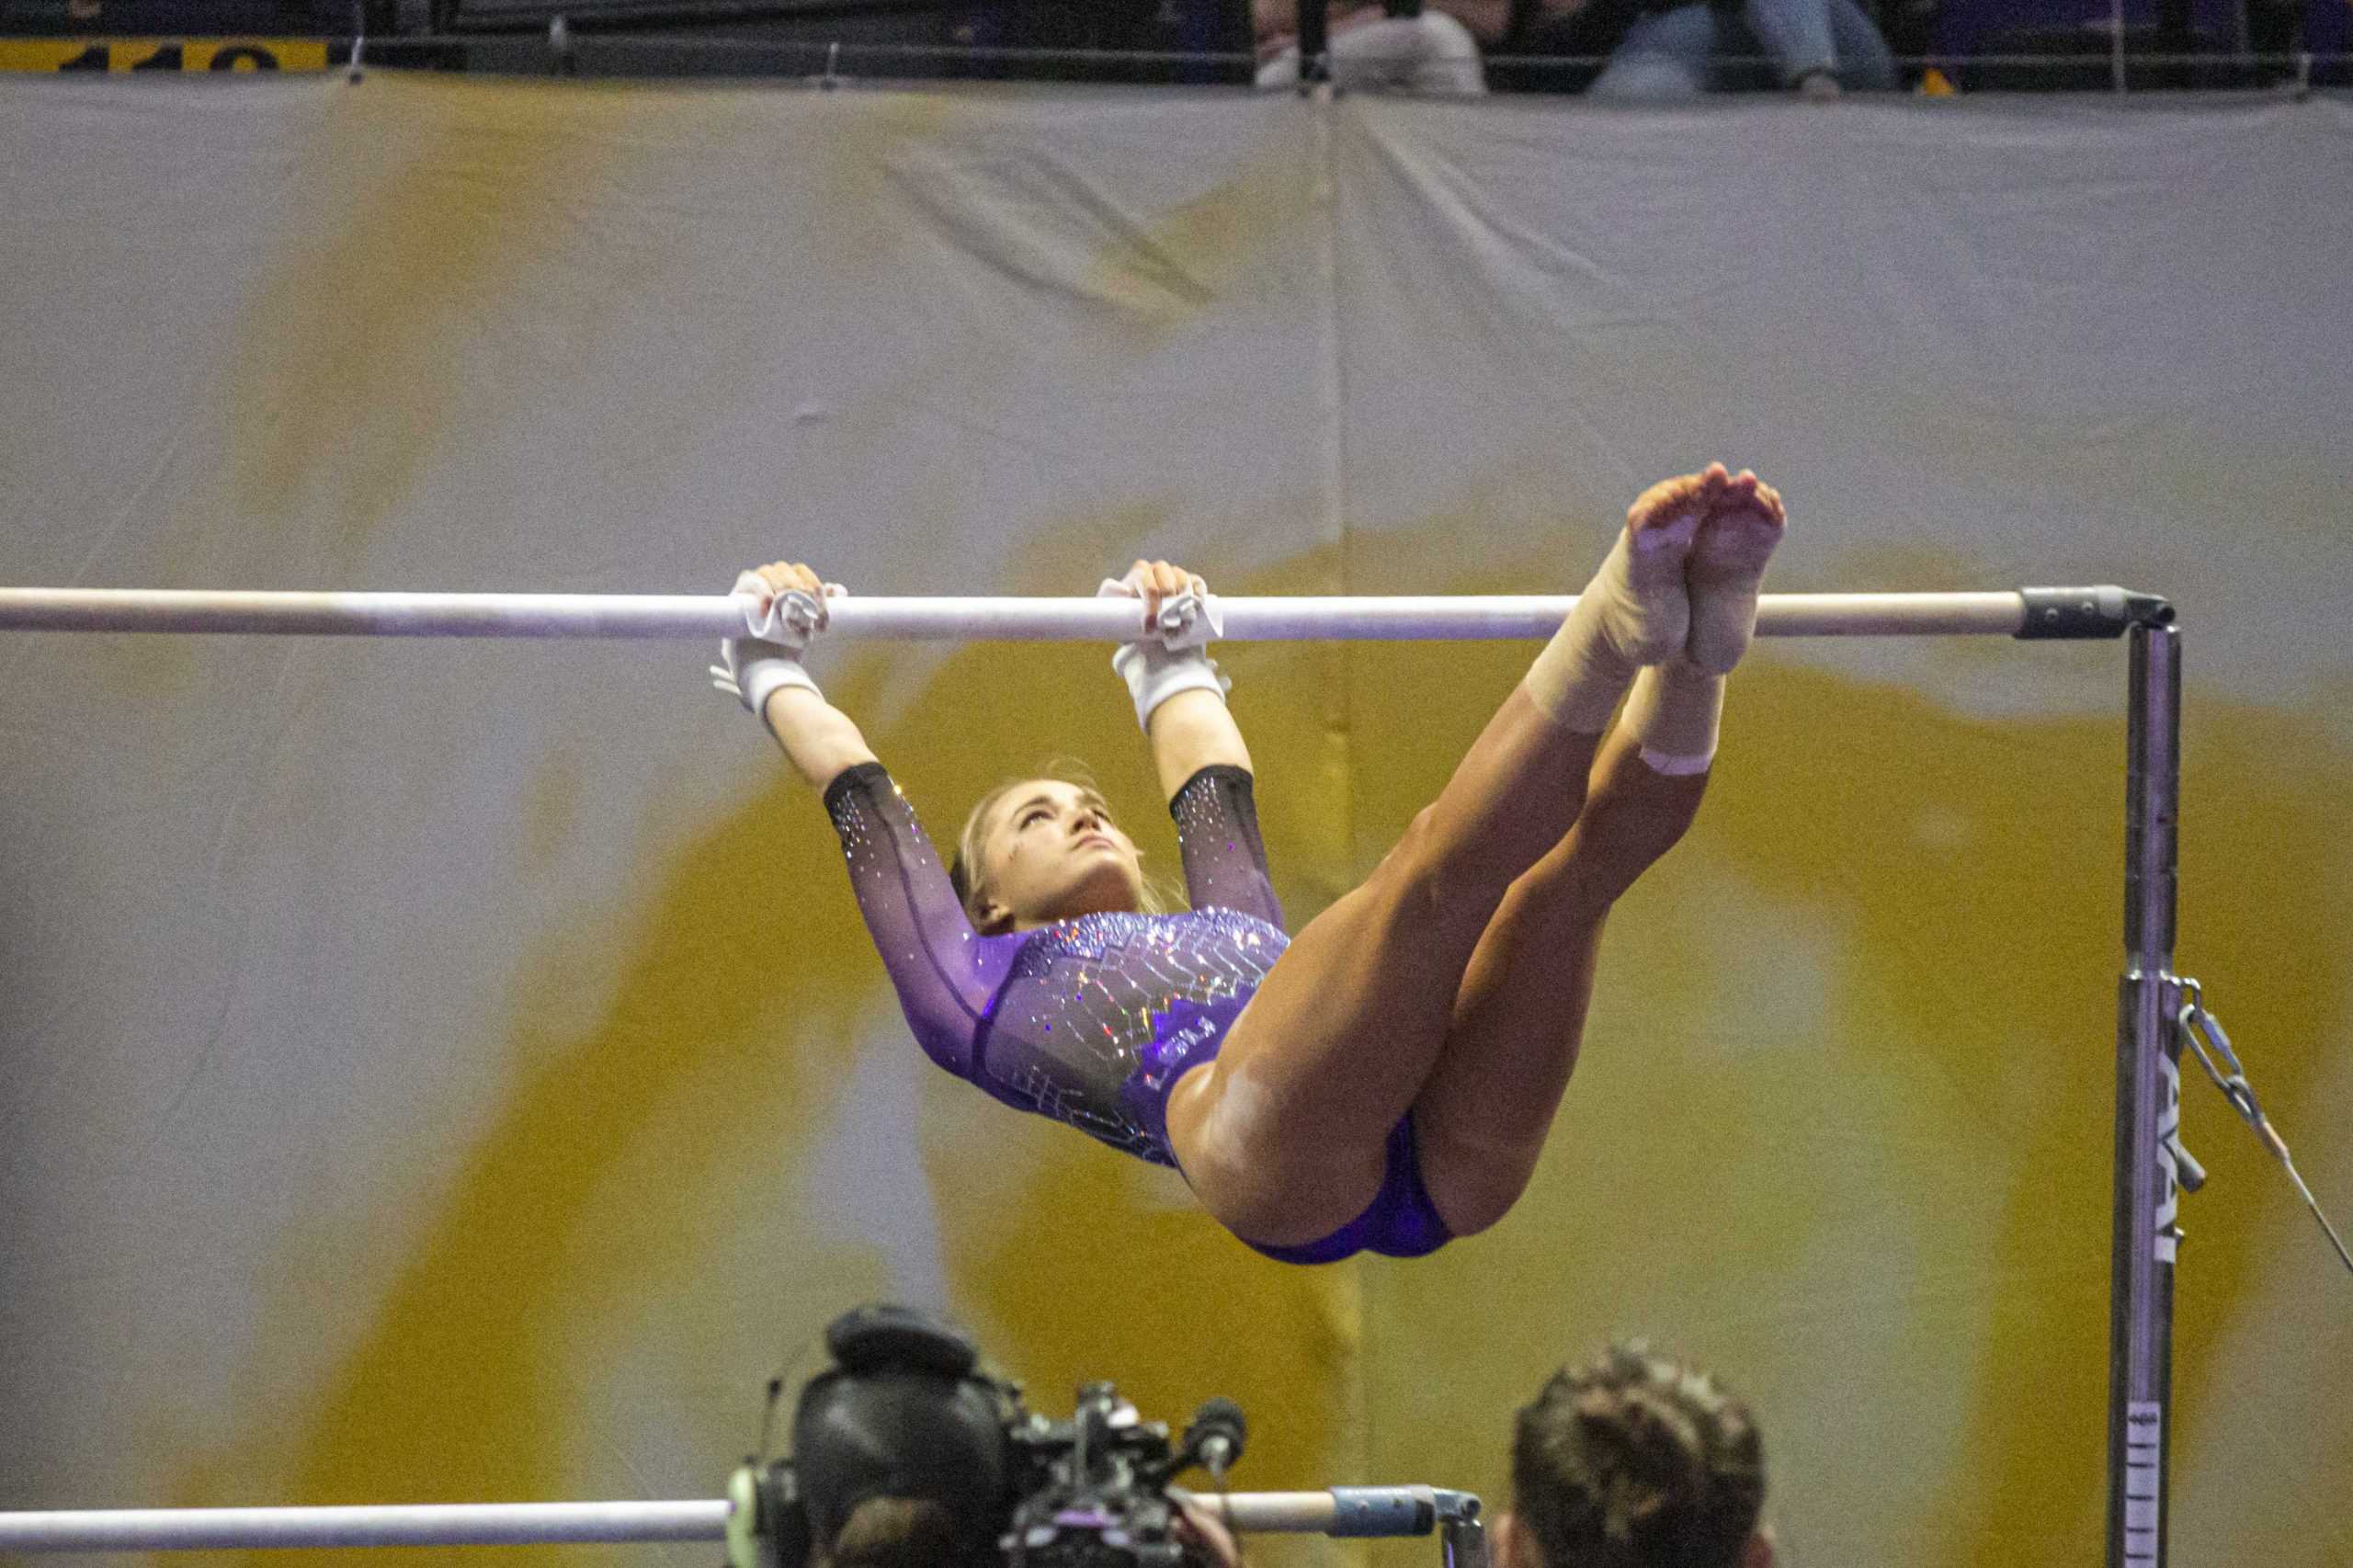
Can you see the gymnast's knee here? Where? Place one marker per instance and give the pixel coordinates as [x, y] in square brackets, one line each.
[1432, 874]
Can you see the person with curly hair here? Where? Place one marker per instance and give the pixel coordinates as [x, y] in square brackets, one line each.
[1634, 1460]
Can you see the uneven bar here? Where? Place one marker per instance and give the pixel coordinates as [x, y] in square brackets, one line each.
[452, 1524]
[2058, 612]
[1350, 1510]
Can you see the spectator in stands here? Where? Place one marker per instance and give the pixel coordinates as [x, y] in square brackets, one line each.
[1634, 1461]
[1400, 45]
[1663, 49]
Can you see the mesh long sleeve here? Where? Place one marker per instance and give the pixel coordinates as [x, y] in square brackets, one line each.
[1217, 833]
[944, 974]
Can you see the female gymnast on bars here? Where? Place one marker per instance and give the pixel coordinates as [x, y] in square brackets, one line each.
[1385, 1080]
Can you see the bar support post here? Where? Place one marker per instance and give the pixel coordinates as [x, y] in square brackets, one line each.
[2148, 1113]
[1314, 43]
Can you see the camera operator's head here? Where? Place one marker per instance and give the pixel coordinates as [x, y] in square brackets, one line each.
[900, 1454]
[1634, 1461]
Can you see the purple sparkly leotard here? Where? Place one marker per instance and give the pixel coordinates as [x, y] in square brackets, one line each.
[1092, 1021]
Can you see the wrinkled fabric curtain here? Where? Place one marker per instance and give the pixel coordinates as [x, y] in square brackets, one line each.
[455, 1070]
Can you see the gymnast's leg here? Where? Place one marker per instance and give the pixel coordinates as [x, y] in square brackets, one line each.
[1482, 1118]
[1285, 1136]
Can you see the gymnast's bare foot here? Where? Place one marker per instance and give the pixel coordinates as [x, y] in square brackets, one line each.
[1636, 611]
[1647, 605]
[1743, 522]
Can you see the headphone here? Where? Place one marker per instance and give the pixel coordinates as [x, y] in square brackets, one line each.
[903, 1411]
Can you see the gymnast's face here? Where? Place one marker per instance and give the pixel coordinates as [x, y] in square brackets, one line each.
[1049, 851]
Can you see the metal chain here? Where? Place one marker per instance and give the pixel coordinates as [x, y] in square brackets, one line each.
[2203, 1032]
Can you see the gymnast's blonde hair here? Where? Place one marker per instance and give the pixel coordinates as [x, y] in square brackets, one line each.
[1153, 897]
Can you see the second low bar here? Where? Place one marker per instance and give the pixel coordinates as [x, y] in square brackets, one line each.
[1350, 1511]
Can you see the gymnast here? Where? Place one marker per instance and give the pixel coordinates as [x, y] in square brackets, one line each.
[1385, 1080]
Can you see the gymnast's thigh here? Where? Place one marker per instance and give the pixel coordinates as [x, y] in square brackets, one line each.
[1268, 1179]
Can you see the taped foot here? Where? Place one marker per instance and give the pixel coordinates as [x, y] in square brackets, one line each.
[1726, 570]
[1641, 589]
[1636, 611]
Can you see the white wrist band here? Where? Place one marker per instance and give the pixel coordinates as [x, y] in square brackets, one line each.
[1155, 674]
[763, 678]
[1168, 659]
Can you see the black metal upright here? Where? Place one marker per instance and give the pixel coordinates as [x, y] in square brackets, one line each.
[1315, 41]
[2148, 1112]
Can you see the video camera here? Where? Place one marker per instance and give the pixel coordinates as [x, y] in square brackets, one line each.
[1098, 1491]
[906, 1412]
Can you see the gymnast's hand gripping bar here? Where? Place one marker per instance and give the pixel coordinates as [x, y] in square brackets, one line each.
[1342, 1511]
[2090, 612]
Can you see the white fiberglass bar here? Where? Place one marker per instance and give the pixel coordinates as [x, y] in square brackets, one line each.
[1306, 1512]
[529, 1524]
[452, 1524]
[2087, 612]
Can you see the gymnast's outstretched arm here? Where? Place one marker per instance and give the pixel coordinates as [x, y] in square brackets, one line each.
[1198, 750]
[944, 979]
[1191, 731]
[821, 741]
[1180, 698]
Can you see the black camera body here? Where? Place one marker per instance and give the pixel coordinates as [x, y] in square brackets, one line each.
[1095, 1490]
[906, 1411]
